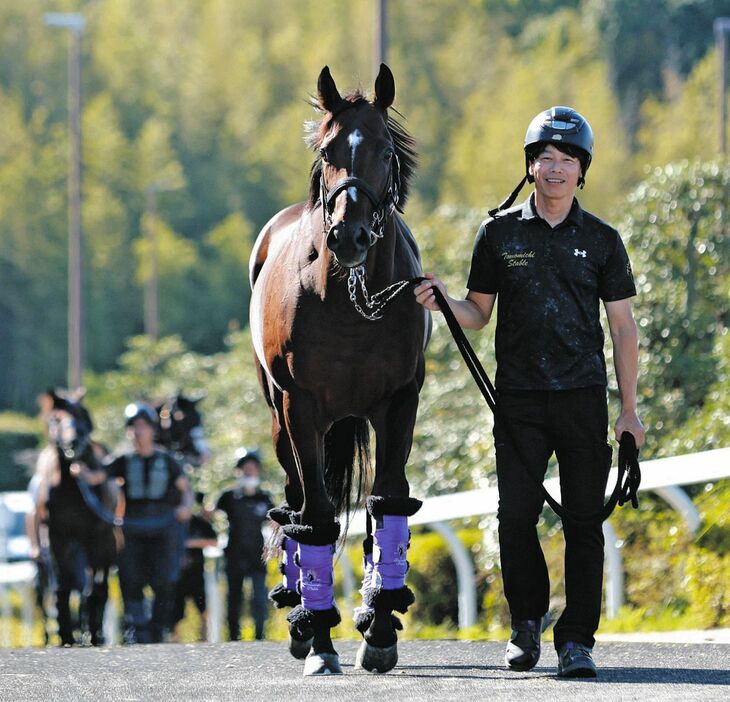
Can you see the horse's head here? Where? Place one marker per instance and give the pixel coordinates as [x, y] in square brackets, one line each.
[365, 160]
[180, 427]
[69, 423]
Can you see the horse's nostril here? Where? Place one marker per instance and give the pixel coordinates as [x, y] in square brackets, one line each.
[363, 237]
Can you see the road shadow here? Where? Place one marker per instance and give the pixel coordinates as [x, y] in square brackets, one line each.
[685, 676]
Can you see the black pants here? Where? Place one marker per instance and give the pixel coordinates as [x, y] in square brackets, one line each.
[259, 600]
[148, 560]
[573, 424]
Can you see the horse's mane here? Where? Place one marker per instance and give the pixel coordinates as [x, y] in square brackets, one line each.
[403, 142]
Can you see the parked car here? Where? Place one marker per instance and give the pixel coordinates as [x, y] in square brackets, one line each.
[14, 542]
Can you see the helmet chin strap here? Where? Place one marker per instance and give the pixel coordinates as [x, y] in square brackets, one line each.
[507, 203]
[510, 199]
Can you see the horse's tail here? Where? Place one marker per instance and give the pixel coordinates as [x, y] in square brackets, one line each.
[347, 463]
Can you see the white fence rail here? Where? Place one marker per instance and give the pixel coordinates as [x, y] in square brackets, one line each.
[664, 476]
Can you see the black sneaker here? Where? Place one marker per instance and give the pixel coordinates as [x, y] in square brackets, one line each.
[574, 661]
[523, 648]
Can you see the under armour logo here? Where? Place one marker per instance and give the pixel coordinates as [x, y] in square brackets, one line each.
[578, 252]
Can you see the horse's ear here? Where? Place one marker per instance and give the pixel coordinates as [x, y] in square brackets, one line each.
[56, 399]
[384, 88]
[327, 93]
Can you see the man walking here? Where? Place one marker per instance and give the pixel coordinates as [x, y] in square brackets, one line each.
[550, 263]
[246, 506]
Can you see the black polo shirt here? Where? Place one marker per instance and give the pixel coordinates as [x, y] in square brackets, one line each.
[246, 515]
[549, 283]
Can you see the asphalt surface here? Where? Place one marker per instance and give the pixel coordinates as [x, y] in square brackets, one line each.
[427, 670]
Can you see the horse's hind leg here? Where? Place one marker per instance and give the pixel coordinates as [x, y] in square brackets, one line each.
[70, 576]
[384, 589]
[95, 603]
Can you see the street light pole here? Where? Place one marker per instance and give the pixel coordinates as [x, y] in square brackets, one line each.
[722, 28]
[75, 23]
[381, 34]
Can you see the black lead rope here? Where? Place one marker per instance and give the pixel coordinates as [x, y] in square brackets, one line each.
[135, 524]
[629, 472]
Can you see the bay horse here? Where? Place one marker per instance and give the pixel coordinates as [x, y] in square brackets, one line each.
[83, 546]
[333, 361]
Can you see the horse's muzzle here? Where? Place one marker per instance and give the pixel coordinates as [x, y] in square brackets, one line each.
[350, 245]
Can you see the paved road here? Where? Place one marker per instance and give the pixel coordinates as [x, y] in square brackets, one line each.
[427, 670]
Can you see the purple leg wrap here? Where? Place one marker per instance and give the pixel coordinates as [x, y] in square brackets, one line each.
[316, 584]
[290, 570]
[390, 548]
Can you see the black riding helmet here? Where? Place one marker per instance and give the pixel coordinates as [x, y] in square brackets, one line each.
[558, 126]
[135, 410]
[245, 454]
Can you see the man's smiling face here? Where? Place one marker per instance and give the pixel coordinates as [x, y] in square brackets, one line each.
[556, 174]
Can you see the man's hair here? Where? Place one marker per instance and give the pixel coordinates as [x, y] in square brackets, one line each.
[252, 460]
[536, 149]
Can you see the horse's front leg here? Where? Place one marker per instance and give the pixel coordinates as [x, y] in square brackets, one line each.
[315, 537]
[286, 593]
[384, 589]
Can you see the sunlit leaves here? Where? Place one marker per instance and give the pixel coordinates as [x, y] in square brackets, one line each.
[676, 231]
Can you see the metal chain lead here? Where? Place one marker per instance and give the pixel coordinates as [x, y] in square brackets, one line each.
[374, 303]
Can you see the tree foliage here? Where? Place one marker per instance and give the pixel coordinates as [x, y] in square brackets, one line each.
[203, 100]
[676, 230]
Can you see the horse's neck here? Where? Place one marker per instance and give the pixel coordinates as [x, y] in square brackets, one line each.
[64, 466]
[385, 262]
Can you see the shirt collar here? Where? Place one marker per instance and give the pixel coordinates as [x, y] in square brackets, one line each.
[575, 216]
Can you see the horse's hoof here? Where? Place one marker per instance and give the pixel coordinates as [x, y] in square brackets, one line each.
[322, 664]
[298, 648]
[375, 659]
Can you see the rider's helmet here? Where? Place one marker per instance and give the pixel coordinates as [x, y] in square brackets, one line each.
[135, 410]
[244, 454]
[560, 126]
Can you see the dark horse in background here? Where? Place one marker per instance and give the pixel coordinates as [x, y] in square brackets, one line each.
[83, 545]
[333, 360]
[180, 430]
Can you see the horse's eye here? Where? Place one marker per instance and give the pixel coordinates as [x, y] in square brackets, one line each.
[388, 154]
[323, 155]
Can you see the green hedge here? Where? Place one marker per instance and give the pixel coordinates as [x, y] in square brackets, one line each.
[18, 433]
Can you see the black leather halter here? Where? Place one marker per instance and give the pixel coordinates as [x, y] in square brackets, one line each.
[383, 206]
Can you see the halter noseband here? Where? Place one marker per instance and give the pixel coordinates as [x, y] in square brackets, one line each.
[383, 206]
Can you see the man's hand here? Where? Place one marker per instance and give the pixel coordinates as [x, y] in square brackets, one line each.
[629, 421]
[183, 513]
[80, 470]
[472, 313]
[425, 295]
